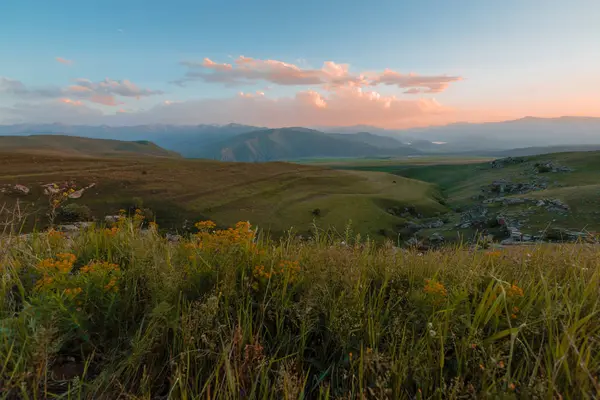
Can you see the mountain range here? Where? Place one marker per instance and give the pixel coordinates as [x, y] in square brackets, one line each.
[236, 142]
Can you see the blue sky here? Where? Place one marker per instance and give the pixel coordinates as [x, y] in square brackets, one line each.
[515, 58]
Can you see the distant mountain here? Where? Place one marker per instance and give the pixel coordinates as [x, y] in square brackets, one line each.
[184, 139]
[491, 136]
[295, 143]
[83, 147]
[383, 142]
[205, 140]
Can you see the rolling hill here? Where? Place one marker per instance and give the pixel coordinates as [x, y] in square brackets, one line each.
[565, 195]
[275, 196]
[296, 143]
[79, 146]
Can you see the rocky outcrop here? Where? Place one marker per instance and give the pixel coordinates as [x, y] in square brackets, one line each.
[549, 166]
[503, 162]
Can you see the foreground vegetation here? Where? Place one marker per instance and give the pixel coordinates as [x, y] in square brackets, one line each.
[120, 312]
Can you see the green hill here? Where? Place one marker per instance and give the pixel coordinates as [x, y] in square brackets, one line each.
[295, 143]
[531, 188]
[273, 195]
[80, 146]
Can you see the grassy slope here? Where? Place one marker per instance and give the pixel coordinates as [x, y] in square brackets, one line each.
[79, 146]
[275, 196]
[580, 189]
[236, 319]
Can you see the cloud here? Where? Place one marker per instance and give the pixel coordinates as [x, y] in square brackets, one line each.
[344, 105]
[415, 83]
[64, 61]
[17, 88]
[247, 70]
[76, 103]
[63, 110]
[108, 86]
[339, 106]
[106, 100]
[104, 92]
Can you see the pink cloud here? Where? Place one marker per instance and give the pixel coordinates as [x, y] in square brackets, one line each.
[343, 105]
[109, 86]
[106, 100]
[433, 84]
[247, 70]
[64, 61]
[75, 103]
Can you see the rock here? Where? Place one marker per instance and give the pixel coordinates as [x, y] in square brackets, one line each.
[21, 189]
[18, 190]
[540, 203]
[502, 162]
[76, 194]
[436, 238]
[549, 166]
[173, 238]
[67, 228]
[112, 219]
[413, 241]
[513, 201]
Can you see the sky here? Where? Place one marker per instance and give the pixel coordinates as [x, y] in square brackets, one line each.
[392, 64]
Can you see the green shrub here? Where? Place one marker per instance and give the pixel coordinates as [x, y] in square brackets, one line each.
[73, 212]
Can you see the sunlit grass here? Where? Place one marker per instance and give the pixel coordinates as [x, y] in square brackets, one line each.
[120, 311]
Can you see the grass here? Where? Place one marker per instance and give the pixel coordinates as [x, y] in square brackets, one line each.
[123, 313]
[460, 182]
[273, 195]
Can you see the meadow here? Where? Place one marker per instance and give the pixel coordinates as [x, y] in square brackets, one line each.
[275, 196]
[119, 312]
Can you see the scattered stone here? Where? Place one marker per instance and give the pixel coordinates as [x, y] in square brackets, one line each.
[549, 166]
[18, 190]
[436, 238]
[67, 228]
[502, 162]
[21, 189]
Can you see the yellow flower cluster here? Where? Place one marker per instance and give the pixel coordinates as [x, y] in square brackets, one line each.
[112, 285]
[514, 291]
[106, 270]
[102, 266]
[52, 234]
[205, 225]
[73, 291]
[62, 263]
[212, 240]
[260, 272]
[111, 231]
[289, 268]
[435, 289]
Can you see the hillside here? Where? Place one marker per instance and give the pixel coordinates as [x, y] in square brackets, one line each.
[187, 140]
[533, 195]
[275, 196]
[79, 146]
[295, 143]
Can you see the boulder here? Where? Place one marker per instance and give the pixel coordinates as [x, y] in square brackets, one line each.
[21, 189]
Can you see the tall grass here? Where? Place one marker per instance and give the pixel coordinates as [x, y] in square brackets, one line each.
[231, 314]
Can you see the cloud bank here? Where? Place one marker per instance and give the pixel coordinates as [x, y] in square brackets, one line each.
[330, 95]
